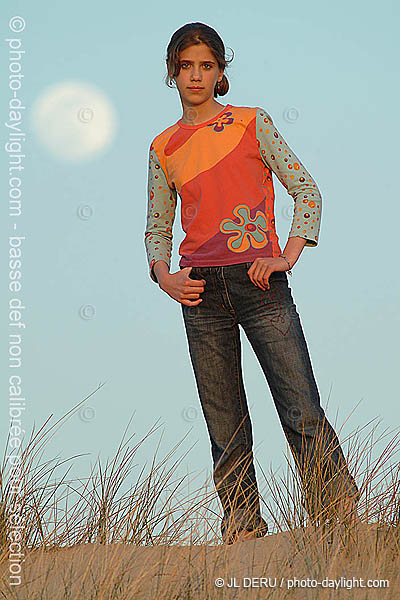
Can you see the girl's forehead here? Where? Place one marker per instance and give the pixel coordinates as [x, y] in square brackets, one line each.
[197, 51]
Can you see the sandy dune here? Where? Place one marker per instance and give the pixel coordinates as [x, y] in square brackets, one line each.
[173, 571]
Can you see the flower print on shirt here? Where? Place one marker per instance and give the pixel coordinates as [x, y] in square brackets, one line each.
[247, 232]
[224, 119]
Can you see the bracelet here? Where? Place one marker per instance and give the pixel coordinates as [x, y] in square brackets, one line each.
[289, 271]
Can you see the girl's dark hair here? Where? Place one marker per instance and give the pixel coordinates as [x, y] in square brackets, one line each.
[192, 34]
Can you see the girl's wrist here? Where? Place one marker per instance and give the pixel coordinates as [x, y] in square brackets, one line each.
[161, 270]
[288, 264]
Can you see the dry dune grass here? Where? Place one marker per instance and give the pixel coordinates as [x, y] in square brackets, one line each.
[93, 540]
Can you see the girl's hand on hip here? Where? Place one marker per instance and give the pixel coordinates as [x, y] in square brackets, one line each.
[262, 268]
[182, 288]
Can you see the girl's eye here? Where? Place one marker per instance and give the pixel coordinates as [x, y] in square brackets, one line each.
[184, 65]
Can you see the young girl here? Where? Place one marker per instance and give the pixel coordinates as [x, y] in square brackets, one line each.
[219, 159]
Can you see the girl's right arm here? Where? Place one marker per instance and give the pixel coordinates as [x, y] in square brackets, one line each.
[158, 238]
[160, 215]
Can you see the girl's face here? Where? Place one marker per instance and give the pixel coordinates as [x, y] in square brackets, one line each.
[198, 69]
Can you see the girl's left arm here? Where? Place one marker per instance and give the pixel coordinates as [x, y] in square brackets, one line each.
[280, 158]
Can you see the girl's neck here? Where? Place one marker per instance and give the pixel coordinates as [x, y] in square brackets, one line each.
[195, 115]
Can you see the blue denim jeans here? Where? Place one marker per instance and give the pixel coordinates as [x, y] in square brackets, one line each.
[272, 325]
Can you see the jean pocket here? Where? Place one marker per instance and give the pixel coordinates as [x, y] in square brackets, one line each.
[197, 273]
[275, 275]
[278, 276]
[193, 273]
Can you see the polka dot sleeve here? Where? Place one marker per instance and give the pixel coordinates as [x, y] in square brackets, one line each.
[160, 215]
[293, 175]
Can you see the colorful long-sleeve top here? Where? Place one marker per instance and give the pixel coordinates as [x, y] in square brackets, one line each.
[222, 171]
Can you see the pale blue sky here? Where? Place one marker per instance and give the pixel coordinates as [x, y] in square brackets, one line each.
[337, 64]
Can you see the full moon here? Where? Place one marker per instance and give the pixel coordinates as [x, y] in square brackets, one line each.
[74, 121]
